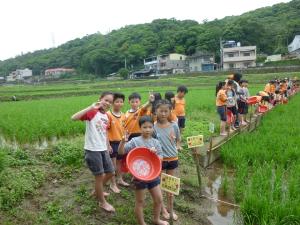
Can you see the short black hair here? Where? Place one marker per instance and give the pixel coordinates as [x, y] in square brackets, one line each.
[182, 88]
[104, 93]
[134, 95]
[169, 95]
[230, 82]
[145, 119]
[163, 102]
[119, 95]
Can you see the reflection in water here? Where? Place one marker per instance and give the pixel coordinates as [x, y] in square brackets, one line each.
[222, 213]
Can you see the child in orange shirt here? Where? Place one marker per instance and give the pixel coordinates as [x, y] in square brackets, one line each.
[115, 134]
[179, 107]
[221, 101]
[170, 96]
[133, 115]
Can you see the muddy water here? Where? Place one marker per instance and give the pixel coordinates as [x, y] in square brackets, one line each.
[222, 214]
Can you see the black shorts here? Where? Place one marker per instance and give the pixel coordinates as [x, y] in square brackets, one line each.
[233, 110]
[170, 165]
[139, 185]
[243, 107]
[133, 135]
[222, 113]
[181, 121]
[98, 162]
[115, 145]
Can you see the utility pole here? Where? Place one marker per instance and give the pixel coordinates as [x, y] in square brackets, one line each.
[125, 63]
[221, 53]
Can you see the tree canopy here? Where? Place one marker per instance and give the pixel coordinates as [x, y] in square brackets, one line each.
[269, 28]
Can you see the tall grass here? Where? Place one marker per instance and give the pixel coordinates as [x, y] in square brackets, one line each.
[267, 164]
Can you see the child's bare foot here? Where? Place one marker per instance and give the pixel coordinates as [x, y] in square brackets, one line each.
[166, 215]
[175, 217]
[93, 194]
[107, 207]
[115, 189]
[123, 183]
[160, 222]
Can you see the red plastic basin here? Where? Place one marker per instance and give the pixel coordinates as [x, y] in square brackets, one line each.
[143, 164]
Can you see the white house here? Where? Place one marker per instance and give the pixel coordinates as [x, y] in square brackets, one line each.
[294, 47]
[238, 57]
[57, 72]
[273, 58]
[200, 61]
[19, 75]
[167, 63]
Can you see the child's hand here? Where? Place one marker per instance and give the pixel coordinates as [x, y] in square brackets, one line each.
[96, 105]
[153, 149]
[125, 136]
[110, 149]
[151, 97]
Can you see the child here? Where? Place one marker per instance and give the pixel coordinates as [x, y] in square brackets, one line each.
[232, 102]
[168, 134]
[96, 145]
[221, 100]
[133, 115]
[115, 134]
[170, 96]
[179, 107]
[145, 140]
[242, 103]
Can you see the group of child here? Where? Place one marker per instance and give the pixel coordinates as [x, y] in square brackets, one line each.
[110, 134]
[232, 95]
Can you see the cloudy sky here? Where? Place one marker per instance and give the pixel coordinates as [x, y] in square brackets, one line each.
[29, 25]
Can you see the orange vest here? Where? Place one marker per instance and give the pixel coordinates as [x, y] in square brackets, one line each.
[116, 126]
[179, 108]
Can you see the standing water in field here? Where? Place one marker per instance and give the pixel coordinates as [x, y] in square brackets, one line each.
[222, 213]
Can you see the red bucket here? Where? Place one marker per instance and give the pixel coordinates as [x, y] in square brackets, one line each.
[143, 164]
[262, 109]
[252, 100]
[229, 117]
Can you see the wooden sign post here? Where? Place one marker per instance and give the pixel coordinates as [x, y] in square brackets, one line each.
[195, 142]
[171, 185]
[211, 130]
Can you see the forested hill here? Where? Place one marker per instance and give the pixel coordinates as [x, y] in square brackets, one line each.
[269, 28]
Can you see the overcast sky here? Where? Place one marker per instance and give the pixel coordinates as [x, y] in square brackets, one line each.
[29, 25]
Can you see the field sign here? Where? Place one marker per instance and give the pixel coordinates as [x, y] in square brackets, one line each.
[195, 141]
[170, 183]
[211, 127]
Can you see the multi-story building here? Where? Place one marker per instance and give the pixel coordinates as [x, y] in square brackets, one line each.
[294, 47]
[235, 56]
[200, 62]
[19, 75]
[167, 63]
[57, 72]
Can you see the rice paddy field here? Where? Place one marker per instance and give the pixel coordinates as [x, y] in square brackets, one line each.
[43, 178]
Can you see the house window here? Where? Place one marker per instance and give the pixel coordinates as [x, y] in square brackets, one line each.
[246, 54]
[246, 64]
[231, 65]
[230, 55]
[180, 57]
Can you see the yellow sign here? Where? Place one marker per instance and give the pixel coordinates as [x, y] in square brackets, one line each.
[170, 184]
[195, 141]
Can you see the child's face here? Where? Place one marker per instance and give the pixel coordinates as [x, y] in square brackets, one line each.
[147, 129]
[180, 94]
[106, 101]
[163, 112]
[135, 103]
[118, 104]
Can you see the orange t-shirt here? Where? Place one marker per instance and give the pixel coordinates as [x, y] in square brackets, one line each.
[221, 98]
[131, 123]
[116, 126]
[270, 88]
[179, 108]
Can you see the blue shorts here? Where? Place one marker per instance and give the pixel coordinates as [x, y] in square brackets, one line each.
[222, 113]
[181, 121]
[170, 165]
[115, 145]
[139, 185]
